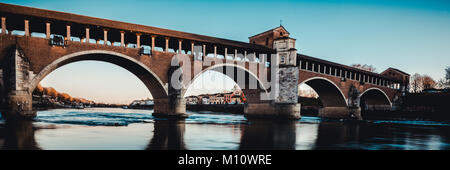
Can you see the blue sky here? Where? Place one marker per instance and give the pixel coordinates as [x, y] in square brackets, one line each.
[411, 35]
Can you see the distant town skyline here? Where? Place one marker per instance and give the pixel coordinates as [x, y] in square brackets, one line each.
[411, 35]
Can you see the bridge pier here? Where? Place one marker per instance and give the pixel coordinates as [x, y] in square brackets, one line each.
[17, 100]
[18, 106]
[272, 111]
[174, 106]
[340, 112]
[166, 108]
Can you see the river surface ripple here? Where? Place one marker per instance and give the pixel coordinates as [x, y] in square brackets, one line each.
[128, 129]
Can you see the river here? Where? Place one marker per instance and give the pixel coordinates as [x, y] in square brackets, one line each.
[128, 129]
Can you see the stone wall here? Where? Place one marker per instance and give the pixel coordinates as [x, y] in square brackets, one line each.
[287, 85]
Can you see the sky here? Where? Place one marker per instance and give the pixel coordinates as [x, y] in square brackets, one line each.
[411, 35]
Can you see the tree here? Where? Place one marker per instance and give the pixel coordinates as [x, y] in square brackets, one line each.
[428, 82]
[416, 83]
[420, 82]
[52, 92]
[39, 90]
[64, 97]
[445, 82]
[365, 67]
[45, 91]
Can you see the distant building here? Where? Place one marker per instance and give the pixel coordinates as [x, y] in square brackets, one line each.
[227, 97]
[205, 100]
[399, 75]
[192, 100]
[145, 102]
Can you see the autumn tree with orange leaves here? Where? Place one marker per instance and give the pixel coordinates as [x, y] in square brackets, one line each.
[50, 91]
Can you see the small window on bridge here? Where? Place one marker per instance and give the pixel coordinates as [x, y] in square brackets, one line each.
[57, 40]
[145, 51]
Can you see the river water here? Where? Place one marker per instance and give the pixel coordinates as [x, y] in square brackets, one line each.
[127, 129]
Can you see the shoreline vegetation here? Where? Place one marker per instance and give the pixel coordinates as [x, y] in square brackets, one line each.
[45, 98]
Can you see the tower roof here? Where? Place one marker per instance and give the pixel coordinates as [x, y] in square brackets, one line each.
[271, 30]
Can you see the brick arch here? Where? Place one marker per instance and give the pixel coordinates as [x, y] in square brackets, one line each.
[145, 74]
[376, 96]
[221, 68]
[329, 93]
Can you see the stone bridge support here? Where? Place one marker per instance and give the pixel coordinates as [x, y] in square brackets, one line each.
[272, 110]
[283, 103]
[170, 108]
[283, 95]
[16, 100]
[173, 107]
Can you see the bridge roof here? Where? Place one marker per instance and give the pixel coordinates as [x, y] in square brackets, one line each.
[344, 66]
[93, 21]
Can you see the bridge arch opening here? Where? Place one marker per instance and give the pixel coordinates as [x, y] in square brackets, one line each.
[251, 87]
[147, 76]
[328, 93]
[374, 99]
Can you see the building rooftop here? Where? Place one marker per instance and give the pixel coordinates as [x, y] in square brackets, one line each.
[268, 31]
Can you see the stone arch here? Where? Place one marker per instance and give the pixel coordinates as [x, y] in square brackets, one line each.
[375, 97]
[145, 74]
[250, 77]
[329, 93]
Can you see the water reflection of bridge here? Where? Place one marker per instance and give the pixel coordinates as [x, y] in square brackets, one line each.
[265, 135]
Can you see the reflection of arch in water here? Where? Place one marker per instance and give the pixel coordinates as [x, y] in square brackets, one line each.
[336, 135]
[268, 135]
[167, 135]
